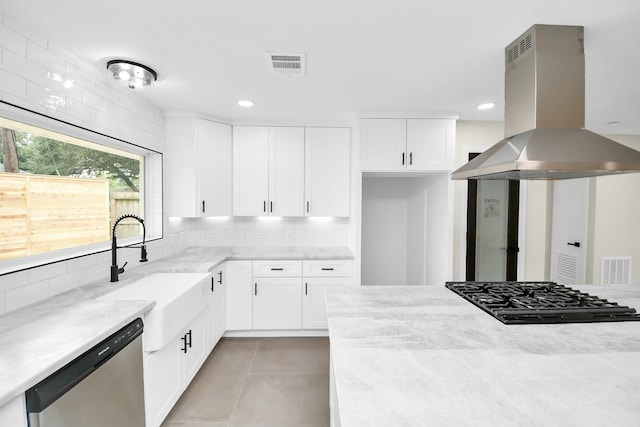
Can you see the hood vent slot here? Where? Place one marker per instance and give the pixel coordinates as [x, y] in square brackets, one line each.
[519, 48]
[286, 63]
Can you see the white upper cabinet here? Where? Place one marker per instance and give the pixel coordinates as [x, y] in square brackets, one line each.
[327, 171]
[389, 145]
[268, 171]
[198, 164]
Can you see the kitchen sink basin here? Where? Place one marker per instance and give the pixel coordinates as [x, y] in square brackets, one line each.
[179, 298]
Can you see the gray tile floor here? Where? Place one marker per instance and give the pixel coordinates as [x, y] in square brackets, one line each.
[258, 382]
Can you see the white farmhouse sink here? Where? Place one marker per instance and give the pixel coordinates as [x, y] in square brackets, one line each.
[179, 298]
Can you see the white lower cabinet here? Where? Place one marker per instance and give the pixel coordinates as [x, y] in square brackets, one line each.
[216, 308]
[318, 276]
[168, 371]
[14, 413]
[277, 303]
[239, 295]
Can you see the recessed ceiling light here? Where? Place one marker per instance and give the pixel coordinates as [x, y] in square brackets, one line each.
[486, 106]
[245, 103]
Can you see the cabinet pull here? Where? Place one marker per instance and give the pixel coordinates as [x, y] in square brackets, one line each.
[184, 341]
[307, 206]
[203, 209]
[255, 289]
[410, 158]
[220, 277]
[327, 269]
[402, 159]
[305, 289]
[277, 269]
[212, 281]
[271, 207]
[189, 334]
[264, 206]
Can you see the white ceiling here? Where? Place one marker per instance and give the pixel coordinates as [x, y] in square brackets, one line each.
[409, 56]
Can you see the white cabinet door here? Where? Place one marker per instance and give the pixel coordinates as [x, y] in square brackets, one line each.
[250, 170]
[383, 144]
[277, 303]
[219, 303]
[195, 187]
[429, 144]
[327, 171]
[314, 306]
[214, 160]
[239, 287]
[14, 413]
[162, 382]
[286, 171]
[194, 347]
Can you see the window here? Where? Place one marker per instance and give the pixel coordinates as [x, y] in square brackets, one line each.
[61, 192]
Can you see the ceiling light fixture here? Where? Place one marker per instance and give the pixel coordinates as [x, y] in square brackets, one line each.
[486, 106]
[245, 103]
[136, 75]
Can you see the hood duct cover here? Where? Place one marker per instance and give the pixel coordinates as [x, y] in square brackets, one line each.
[544, 115]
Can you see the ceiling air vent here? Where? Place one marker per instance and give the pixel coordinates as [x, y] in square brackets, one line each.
[519, 48]
[287, 63]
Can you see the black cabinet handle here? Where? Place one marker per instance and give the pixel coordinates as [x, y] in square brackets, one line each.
[410, 158]
[307, 206]
[576, 244]
[255, 289]
[212, 281]
[189, 334]
[327, 268]
[264, 206]
[270, 206]
[203, 208]
[220, 277]
[305, 289]
[184, 341]
[402, 159]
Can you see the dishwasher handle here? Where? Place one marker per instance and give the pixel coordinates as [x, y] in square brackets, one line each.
[47, 391]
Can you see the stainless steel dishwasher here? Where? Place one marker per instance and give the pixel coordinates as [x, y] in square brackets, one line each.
[103, 387]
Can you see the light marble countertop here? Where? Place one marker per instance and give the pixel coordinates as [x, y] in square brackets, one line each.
[38, 339]
[418, 356]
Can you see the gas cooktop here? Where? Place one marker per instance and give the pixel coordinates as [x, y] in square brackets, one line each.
[540, 302]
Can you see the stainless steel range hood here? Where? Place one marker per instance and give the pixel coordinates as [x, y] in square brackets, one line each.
[544, 115]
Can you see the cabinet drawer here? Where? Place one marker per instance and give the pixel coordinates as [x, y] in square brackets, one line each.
[277, 268]
[327, 268]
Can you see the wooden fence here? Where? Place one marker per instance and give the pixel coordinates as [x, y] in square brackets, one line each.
[40, 213]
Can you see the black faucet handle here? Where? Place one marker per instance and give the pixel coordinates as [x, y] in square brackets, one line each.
[121, 269]
[143, 253]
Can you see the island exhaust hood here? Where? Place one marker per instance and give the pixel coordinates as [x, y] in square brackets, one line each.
[544, 115]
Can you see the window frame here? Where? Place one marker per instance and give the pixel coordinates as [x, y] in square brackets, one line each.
[152, 168]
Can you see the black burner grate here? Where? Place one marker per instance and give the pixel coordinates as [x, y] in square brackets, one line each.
[540, 302]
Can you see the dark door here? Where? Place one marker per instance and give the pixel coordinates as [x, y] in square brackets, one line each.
[492, 229]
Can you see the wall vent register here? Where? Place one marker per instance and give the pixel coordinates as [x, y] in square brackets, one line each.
[540, 302]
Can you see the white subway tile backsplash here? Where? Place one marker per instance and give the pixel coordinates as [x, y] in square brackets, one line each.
[14, 280]
[96, 102]
[46, 59]
[13, 41]
[24, 295]
[13, 84]
[61, 52]
[23, 67]
[47, 271]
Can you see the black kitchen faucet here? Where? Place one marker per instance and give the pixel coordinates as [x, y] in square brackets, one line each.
[115, 270]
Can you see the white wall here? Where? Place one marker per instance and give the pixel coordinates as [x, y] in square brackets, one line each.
[33, 70]
[616, 228]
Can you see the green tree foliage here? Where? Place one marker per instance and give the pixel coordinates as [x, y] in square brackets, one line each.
[40, 155]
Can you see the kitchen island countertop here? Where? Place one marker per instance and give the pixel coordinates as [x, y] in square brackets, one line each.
[418, 356]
